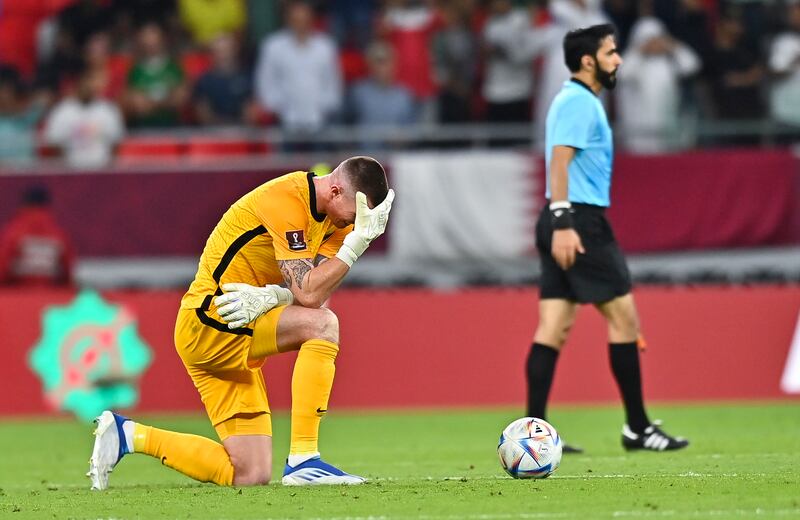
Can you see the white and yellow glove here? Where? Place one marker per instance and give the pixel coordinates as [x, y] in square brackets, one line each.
[369, 225]
[242, 303]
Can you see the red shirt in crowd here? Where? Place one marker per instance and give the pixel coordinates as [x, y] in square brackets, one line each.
[34, 250]
[409, 32]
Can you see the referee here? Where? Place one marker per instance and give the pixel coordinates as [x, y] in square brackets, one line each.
[581, 261]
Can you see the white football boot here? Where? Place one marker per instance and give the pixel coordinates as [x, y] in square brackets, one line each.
[109, 448]
[315, 472]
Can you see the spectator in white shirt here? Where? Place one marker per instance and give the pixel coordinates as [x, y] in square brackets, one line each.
[508, 80]
[298, 76]
[784, 63]
[84, 126]
[649, 93]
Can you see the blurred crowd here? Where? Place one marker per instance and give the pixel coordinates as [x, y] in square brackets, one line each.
[76, 75]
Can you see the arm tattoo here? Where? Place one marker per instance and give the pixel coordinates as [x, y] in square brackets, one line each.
[295, 270]
[319, 259]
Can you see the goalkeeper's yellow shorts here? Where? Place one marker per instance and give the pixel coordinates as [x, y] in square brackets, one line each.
[231, 385]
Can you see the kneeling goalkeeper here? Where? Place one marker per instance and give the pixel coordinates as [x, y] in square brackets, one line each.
[300, 229]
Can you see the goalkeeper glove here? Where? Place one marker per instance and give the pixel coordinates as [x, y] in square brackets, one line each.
[369, 225]
[242, 303]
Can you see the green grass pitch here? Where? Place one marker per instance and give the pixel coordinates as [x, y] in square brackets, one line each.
[744, 462]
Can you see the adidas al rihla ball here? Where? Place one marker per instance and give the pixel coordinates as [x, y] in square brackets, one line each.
[529, 448]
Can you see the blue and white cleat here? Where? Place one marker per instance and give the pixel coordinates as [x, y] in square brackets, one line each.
[109, 448]
[315, 472]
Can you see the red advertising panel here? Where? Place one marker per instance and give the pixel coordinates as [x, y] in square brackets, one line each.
[414, 347]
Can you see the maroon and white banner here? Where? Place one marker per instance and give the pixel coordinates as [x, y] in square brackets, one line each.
[709, 199]
[414, 348]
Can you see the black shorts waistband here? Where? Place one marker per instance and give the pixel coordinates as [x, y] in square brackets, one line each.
[580, 205]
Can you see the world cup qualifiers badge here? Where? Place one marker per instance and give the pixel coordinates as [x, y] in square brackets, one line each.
[89, 356]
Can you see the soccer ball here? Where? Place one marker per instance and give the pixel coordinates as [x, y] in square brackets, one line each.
[529, 448]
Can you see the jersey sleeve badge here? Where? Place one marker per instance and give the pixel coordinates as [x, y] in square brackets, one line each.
[296, 240]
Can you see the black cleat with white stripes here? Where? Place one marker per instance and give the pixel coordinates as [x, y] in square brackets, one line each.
[653, 438]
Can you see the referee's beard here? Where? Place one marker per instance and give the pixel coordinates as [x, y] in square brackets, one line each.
[607, 79]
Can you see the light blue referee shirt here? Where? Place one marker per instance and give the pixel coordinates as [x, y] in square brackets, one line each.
[577, 119]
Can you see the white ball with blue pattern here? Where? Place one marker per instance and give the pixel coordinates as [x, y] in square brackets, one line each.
[530, 448]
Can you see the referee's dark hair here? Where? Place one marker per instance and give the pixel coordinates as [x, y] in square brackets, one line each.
[368, 176]
[580, 42]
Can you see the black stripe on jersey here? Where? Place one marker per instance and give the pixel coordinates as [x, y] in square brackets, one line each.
[312, 198]
[234, 248]
[226, 260]
[205, 319]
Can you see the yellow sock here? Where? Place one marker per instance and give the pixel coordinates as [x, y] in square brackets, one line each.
[312, 380]
[196, 457]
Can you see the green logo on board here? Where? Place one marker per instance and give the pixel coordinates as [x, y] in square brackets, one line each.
[89, 356]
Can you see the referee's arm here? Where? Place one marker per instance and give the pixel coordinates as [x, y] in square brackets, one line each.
[566, 241]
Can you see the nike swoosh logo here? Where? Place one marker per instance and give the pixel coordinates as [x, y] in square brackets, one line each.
[320, 410]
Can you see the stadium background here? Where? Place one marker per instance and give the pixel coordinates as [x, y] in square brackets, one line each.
[440, 312]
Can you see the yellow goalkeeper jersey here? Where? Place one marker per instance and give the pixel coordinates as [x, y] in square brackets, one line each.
[276, 221]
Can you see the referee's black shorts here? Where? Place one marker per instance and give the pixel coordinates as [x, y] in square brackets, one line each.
[599, 275]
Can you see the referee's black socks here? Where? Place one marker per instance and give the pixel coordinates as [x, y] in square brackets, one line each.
[541, 367]
[624, 359]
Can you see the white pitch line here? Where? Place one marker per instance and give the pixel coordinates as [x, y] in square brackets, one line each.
[456, 478]
[466, 478]
[476, 516]
[534, 516]
[711, 512]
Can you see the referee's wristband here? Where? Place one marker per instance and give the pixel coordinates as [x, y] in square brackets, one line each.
[561, 214]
